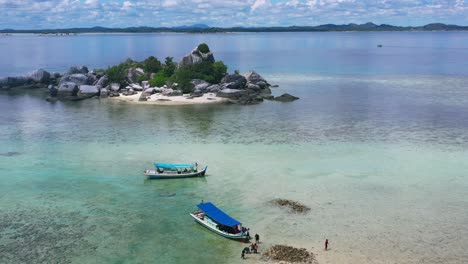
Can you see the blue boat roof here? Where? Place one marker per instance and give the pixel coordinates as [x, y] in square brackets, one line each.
[173, 166]
[217, 215]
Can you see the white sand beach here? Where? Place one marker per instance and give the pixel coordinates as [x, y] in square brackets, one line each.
[159, 99]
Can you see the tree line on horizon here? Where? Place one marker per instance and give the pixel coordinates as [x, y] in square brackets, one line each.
[326, 27]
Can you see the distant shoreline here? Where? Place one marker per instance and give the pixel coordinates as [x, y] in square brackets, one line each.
[367, 27]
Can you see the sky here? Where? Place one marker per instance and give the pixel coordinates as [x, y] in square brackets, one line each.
[42, 14]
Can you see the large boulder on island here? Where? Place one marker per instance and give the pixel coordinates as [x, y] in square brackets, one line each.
[200, 85]
[78, 79]
[200, 54]
[286, 98]
[234, 81]
[213, 88]
[102, 81]
[104, 93]
[136, 87]
[22, 81]
[88, 90]
[115, 87]
[133, 74]
[232, 94]
[67, 89]
[40, 76]
[78, 69]
[256, 79]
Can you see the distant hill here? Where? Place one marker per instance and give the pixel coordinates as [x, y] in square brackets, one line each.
[202, 28]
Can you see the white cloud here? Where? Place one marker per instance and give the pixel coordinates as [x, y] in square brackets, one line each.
[259, 4]
[225, 13]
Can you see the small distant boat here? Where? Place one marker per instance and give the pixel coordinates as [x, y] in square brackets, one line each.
[175, 171]
[219, 222]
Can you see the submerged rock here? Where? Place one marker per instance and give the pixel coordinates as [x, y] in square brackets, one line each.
[295, 206]
[289, 254]
[9, 154]
[286, 98]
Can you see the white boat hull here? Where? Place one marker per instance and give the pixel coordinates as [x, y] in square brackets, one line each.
[240, 236]
[153, 174]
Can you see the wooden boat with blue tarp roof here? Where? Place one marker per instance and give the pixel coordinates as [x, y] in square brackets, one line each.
[219, 222]
[175, 171]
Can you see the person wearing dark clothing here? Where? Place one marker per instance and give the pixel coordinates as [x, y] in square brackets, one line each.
[243, 255]
[257, 238]
[326, 244]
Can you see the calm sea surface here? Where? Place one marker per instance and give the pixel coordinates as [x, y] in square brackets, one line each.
[377, 147]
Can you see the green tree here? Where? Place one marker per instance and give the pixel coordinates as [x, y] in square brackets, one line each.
[219, 71]
[169, 66]
[152, 65]
[203, 48]
[159, 79]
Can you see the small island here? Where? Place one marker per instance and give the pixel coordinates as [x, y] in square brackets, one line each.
[197, 79]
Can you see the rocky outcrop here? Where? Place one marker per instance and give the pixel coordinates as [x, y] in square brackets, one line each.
[88, 90]
[255, 78]
[145, 85]
[104, 93]
[40, 76]
[76, 70]
[78, 79]
[234, 81]
[36, 79]
[142, 97]
[286, 98]
[67, 89]
[135, 87]
[150, 91]
[102, 81]
[133, 74]
[232, 94]
[196, 56]
[175, 93]
[115, 87]
[213, 88]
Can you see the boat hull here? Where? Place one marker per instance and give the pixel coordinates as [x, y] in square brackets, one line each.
[154, 175]
[242, 238]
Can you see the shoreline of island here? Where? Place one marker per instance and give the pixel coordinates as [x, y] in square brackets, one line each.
[160, 99]
[196, 79]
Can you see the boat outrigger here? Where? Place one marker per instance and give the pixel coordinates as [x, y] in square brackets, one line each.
[175, 171]
[219, 222]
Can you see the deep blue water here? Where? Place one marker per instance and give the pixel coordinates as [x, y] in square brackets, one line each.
[425, 53]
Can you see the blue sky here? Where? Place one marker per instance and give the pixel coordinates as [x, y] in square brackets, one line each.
[39, 14]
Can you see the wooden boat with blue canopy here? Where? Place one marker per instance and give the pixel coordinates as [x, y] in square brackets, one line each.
[175, 171]
[211, 217]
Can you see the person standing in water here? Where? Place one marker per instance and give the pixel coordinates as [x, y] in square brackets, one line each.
[257, 238]
[326, 244]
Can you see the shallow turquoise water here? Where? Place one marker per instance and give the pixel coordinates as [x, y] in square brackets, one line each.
[379, 158]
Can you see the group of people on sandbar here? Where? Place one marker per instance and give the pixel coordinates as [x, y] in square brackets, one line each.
[253, 249]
